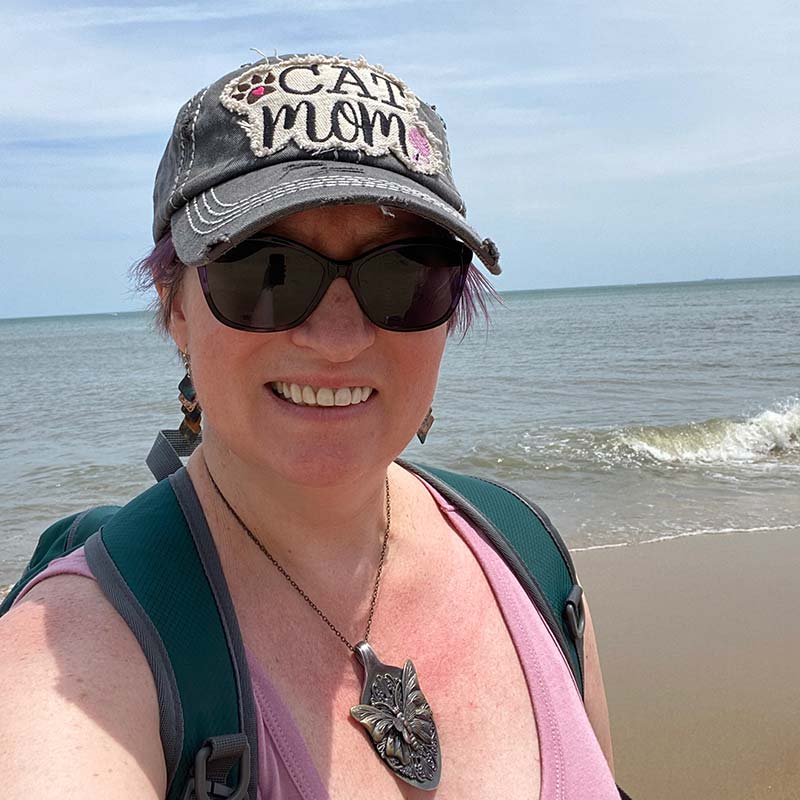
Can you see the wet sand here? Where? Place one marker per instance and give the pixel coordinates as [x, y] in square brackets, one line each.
[699, 641]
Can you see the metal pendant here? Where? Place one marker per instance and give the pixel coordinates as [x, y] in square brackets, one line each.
[399, 720]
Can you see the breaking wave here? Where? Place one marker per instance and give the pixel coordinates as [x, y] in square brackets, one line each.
[770, 433]
[768, 439]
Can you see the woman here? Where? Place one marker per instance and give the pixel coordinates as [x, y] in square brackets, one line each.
[308, 270]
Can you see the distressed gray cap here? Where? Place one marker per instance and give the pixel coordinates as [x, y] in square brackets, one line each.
[302, 131]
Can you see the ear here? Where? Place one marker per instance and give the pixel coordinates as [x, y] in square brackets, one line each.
[173, 302]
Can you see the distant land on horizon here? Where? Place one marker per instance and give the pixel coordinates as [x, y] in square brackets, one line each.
[646, 284]
[756, 279]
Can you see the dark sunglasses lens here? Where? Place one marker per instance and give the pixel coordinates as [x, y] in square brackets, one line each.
[413, 286]
[263, 286]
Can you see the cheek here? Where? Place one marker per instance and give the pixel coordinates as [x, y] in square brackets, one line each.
[418, 362]
[221, 357]
[217, 376]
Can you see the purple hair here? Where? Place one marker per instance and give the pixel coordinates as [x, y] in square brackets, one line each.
[162, 267]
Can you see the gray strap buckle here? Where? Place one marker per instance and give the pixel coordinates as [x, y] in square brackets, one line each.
[213, 762]
[165, 455]
[575, 614]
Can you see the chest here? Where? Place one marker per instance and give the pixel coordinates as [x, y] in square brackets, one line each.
[446, 619]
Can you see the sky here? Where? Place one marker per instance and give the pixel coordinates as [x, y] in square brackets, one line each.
[597, 142]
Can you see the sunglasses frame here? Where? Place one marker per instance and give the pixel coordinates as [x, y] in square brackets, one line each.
[348, 270]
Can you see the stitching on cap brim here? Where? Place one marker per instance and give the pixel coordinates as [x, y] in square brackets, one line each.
[210, 218]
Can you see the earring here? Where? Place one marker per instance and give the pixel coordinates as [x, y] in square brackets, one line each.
[422, 432]
[187, 363]
[190, 426]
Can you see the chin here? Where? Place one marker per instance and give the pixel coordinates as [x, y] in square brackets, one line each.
[320, 462]
[309, 454]
[326, 468]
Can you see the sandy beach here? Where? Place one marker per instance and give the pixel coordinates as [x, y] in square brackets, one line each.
[699, 640]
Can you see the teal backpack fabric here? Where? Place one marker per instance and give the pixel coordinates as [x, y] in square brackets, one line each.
[60, 538]
[155, 561]
[531, 546]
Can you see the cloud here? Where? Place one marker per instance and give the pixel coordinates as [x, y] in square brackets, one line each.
[96, 16]
[531, 78]
[566, 117]
[563, 151]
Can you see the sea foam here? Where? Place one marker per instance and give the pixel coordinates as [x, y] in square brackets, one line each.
[770, 433]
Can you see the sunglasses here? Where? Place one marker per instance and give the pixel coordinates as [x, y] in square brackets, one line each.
[271, 284]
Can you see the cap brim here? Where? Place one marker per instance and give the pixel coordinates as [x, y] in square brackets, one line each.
[221, 217]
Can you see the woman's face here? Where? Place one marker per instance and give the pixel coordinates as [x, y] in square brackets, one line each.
[336, 347]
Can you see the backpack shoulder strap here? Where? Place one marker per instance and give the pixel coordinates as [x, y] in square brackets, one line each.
[156, 562]
[60, 538]
[525, 538]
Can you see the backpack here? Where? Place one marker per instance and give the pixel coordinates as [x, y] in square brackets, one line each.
[155, 561]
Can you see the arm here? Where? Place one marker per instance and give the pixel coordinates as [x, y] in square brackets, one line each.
[78, 706]
[594, 690]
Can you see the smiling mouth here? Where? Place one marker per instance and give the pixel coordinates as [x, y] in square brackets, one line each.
[324, 396]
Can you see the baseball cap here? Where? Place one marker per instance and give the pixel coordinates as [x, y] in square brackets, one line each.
[293, 132]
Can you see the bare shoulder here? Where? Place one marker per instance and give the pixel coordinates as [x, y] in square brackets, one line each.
[78, 703]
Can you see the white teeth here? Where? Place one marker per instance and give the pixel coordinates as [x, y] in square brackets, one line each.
[324, 396]
[309, 397]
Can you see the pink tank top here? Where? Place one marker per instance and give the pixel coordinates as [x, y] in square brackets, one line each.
[572, 764]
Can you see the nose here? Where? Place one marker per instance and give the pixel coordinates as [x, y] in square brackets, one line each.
[337, 329]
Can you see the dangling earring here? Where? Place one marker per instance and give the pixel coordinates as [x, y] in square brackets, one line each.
[190, 427]
[422, 432]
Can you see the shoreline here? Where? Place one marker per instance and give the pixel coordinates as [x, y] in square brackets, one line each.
[668, 537]
[699, 640]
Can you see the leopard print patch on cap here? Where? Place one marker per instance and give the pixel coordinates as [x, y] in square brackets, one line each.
[325, 103]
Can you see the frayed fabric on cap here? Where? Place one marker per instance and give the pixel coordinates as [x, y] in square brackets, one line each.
[296, 132]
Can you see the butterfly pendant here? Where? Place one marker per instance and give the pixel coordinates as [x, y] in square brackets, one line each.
[399, 720]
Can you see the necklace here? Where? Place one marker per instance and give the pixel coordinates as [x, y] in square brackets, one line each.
[393, 710]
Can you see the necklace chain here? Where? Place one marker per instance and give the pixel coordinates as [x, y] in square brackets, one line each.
[294, 583]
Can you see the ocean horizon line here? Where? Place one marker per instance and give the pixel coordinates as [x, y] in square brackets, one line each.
[504, 293]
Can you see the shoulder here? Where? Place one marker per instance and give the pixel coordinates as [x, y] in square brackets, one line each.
[77, 688]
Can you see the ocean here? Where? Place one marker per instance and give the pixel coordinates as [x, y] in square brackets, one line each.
[628, 413]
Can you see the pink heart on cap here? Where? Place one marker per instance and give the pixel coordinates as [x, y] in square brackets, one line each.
[258, 91]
